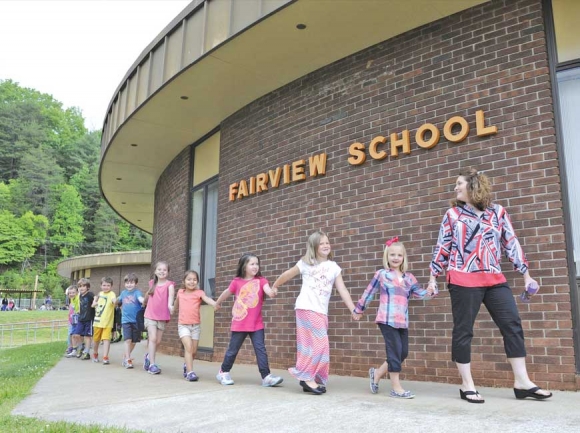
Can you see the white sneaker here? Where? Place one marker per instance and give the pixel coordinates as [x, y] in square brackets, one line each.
[272, 380]
[73, 354]
[224, 378]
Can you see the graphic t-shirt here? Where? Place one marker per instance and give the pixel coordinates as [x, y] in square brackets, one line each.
[317, 283]
[130, 305]
[247, 310]
[74, 307]
[189, 305]
[105, 310]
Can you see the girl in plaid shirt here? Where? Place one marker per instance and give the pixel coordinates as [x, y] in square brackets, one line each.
[396, 286]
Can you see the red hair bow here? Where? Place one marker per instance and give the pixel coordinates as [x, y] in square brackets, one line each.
[392, 241]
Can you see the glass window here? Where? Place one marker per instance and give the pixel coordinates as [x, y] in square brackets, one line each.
[204, 234]
[569, 95]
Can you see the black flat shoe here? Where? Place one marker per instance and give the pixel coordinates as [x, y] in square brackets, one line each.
[464, 394]
[315, 391]
[320, 387]
[532, 392]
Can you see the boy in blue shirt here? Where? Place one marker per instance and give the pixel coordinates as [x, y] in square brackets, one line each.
[131, 301]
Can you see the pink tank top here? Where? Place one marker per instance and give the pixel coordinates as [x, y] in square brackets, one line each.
[157, 303]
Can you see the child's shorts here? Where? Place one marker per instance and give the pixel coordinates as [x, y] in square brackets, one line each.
[192, 331]
[102, 334]
[84, 329]
[131, 332]
[159, 324]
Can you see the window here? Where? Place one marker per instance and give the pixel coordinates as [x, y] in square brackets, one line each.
[569, 95]
[202, 254]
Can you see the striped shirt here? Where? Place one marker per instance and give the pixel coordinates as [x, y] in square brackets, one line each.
[394, 297]
[469, 247]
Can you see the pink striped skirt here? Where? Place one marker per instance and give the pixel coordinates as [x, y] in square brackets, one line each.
[313, 350]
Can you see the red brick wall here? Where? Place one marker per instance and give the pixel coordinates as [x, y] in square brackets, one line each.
[170, 240]
[491, 57]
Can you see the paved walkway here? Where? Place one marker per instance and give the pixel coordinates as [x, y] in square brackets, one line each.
[111, 395]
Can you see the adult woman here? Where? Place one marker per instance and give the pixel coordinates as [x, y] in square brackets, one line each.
[473, 233]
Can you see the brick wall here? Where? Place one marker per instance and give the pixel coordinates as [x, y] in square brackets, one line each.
[491, 57]
[170, 240]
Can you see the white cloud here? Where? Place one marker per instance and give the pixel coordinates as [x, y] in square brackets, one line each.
[78, 50]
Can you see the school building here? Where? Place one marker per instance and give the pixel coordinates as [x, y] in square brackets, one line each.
[248, 124]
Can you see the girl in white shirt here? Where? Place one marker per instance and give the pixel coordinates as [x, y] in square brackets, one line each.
[319, 275]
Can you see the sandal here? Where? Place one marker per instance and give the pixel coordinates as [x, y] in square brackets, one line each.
[532, 392]
[464, 395]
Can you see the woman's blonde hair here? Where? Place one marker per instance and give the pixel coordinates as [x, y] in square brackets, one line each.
[404, 266]
[478, 188]
[312, 246]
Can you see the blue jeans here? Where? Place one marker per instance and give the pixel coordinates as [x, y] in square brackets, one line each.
[236, 340]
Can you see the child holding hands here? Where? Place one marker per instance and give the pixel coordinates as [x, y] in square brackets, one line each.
[159, 300]
[319, 275]
[249, 287]
[188, 302]
[395, 286]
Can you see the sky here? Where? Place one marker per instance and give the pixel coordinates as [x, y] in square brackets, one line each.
[78, 51]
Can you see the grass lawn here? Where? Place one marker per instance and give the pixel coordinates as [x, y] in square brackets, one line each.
[31, 327]
[20, 369]
[32, 316]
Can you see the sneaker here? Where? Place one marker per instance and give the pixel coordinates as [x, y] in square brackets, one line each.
[404, 394]
[146, 362]
[374, 386]
[85, 356]
[80, 353]
[154, 369]
[185, 370]
[73, 354]
[68, 351]
[95, 357]
[272, 380]
[224, 378]
[191, 377]
[128, 363]
[106, 360]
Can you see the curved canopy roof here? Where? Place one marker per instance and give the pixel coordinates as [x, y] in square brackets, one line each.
[218, 56]
[66, 267]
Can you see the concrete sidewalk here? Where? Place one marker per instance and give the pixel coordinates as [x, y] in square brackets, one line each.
[84, 392]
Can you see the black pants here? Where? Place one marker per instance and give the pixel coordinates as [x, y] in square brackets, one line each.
[499, 301]
[397, 346]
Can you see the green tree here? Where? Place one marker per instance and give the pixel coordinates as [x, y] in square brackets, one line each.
[41, 175]
[131, 238]
[66, 228]
[86, 183]
[29, 119]
[20, 237]
[106, 231]
[5, 197]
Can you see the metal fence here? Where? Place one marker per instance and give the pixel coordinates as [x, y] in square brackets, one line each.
[21, 334]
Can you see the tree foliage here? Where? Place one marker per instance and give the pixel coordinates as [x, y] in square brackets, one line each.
[50, 201]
